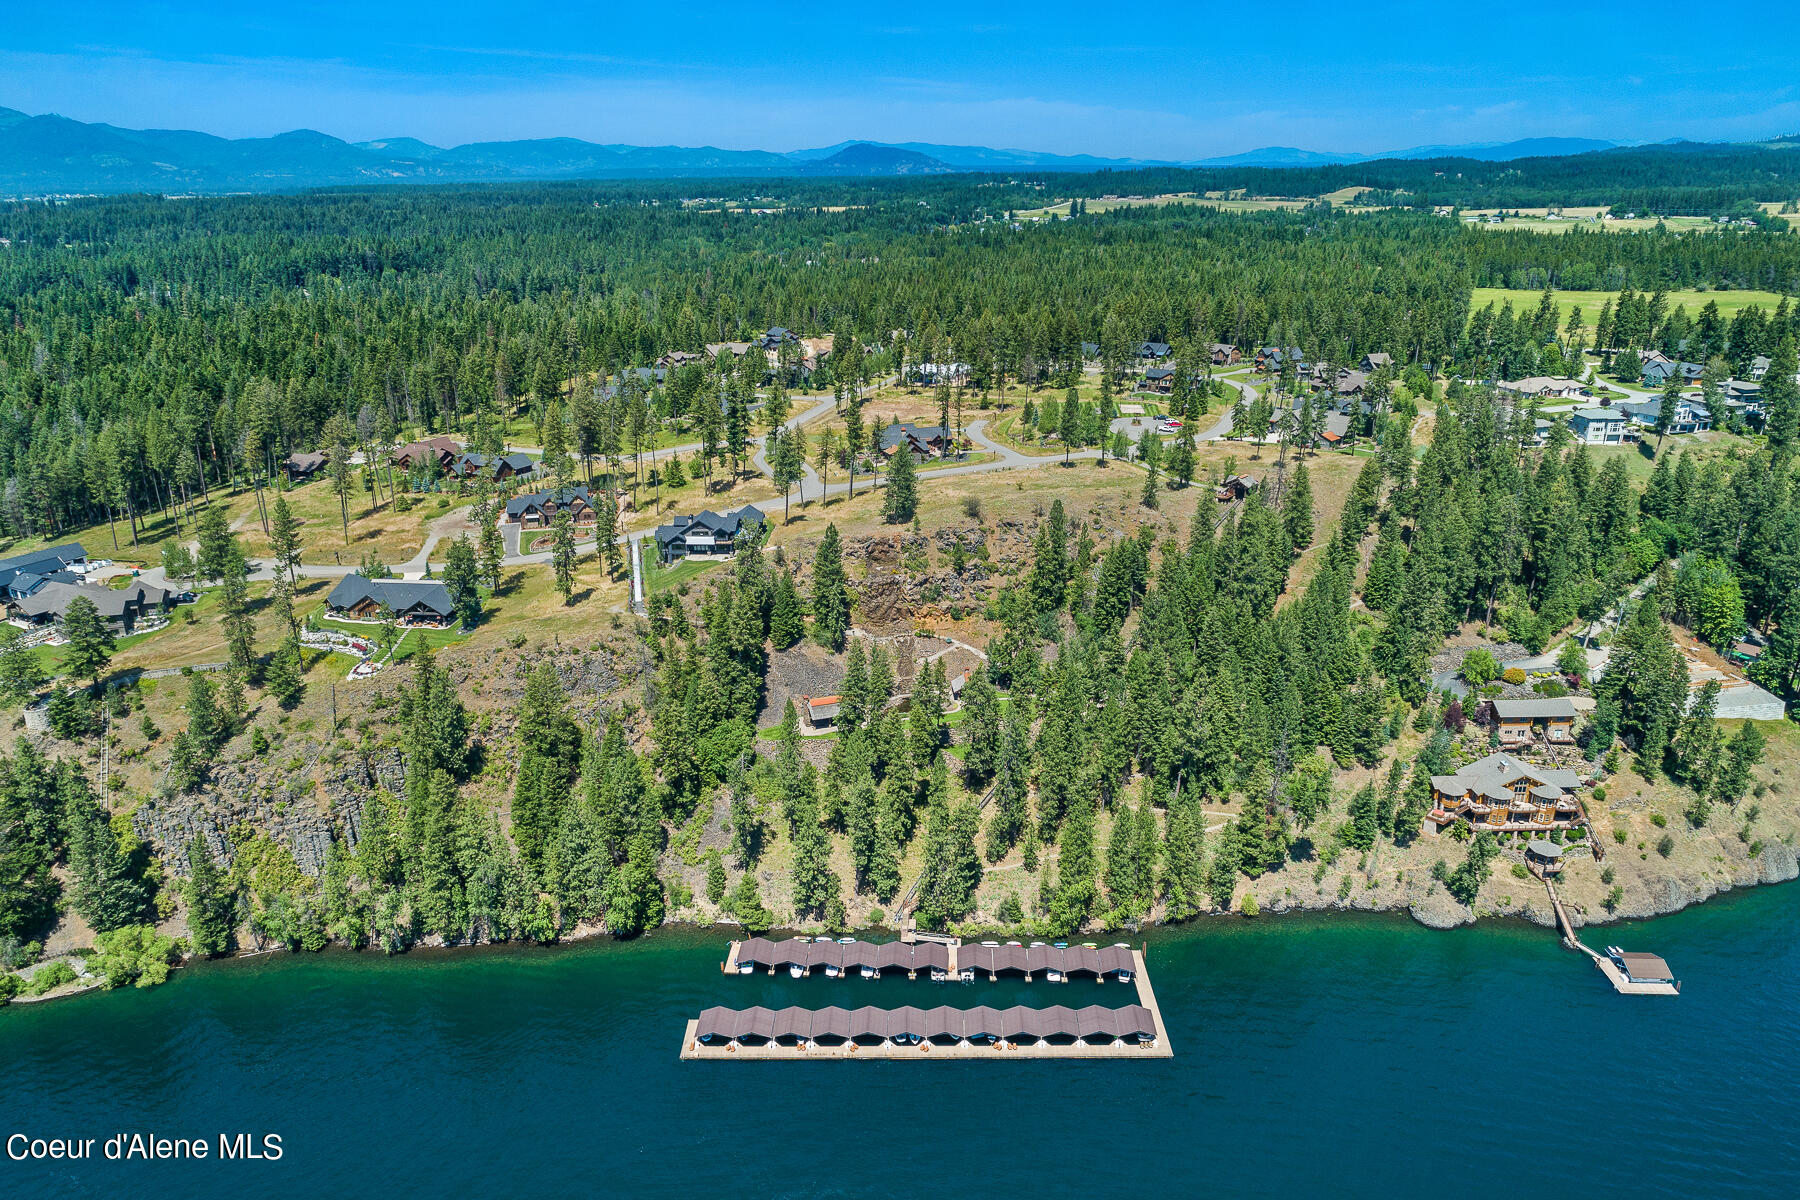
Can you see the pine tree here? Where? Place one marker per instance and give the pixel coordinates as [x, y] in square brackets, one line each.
[284, 539]
[1297, 509]
[901, 500]
[461, 580]
[90, 639]
[108, 889]
[786, 626]
[1184, 878]
[982, 726]
[563, 555]
[283, 678]
[831, 593]
[211, 902]
[490, 546]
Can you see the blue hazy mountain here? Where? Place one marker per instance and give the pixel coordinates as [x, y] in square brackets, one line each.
[51, 154]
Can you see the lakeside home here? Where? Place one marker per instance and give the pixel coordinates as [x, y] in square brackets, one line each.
[1503, 792]
[708, 533]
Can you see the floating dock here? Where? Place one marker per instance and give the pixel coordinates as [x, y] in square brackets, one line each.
[1633, 974]
[1132, 1021]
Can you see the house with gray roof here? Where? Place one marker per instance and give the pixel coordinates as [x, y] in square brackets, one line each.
[709, 533]
[1598, 426]
[46, 602]
[1505, 793]
[1520, 721]
[22, 573]
[493, 468]
[538, 510]
[422, 603]
[923, 442]
[1690, 416]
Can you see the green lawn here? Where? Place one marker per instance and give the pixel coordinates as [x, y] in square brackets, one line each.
[1729, 302]
[659, 578]
[410, 640]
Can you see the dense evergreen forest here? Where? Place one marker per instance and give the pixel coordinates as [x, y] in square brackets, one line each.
[151, 348]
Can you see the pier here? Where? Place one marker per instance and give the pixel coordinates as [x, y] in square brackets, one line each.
[1633, 974]
[1131, 1031]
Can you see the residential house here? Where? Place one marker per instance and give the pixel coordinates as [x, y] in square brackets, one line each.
[776, 337]
[954, 373]
[1598, 426]
[1351, 383]
[821, 711]
[923, 442]
[735, 349]
[1545, 387]
[1236, 487]
[709, 533]
[1504, 793]
[1759, 366]
[1372, 363]
[1159, 379]
[1151, 351]
[36, 600]
[1224, 354]
[813, 351]
[305, 464]
[23, 572]
[1656, 374]
[421, 604]
[679, 358]
[1690, 416]
[1744, 401]
[1336, 430]
[439, 452]
[1090, 351]
[493, 468]
[538, 510]
[1520, 721]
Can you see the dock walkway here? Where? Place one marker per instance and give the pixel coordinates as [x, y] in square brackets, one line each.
[1604, 962]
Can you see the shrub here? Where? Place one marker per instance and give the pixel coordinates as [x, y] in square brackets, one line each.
[1658, 820]
[1614, 897]
[1619, 836]
[51, 977]
[1514, 675]
[1479, 666]
[1665, 845]
[1599, 793]
[1519, 871]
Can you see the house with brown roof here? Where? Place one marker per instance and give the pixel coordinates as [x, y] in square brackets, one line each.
[305, 464]
[439, 451]
[1236, 487]
[1224, 354]
[1503, 792]
[1520, 721]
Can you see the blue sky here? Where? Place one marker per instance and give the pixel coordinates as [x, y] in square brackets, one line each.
[1168, 81]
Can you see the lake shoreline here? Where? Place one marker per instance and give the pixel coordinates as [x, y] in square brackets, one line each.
[1529, 914]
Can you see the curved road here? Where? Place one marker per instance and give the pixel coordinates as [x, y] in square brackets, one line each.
[1005, 458]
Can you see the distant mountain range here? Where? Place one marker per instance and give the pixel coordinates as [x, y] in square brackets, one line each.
[41, 155]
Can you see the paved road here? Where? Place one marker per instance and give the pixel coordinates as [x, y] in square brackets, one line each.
[1004, 458]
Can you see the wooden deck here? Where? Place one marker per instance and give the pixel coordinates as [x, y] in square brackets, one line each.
[692, 1049]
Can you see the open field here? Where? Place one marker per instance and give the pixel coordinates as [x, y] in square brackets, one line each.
[1536, 219]
[1730, 303]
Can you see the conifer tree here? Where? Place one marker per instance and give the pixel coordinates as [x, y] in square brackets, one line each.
[563, 555]
[831, 593]
[90, 640]
[211, 902]
[786, 626]
[284, 538]
[901, 500]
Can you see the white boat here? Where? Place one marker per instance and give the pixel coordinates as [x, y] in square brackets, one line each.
[797, 971]
[868, 972]
[939, 975]
[1054, 976]
[846, 941]
[746, 968]
[832, 970]
[1124, 976]
[967, 974]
